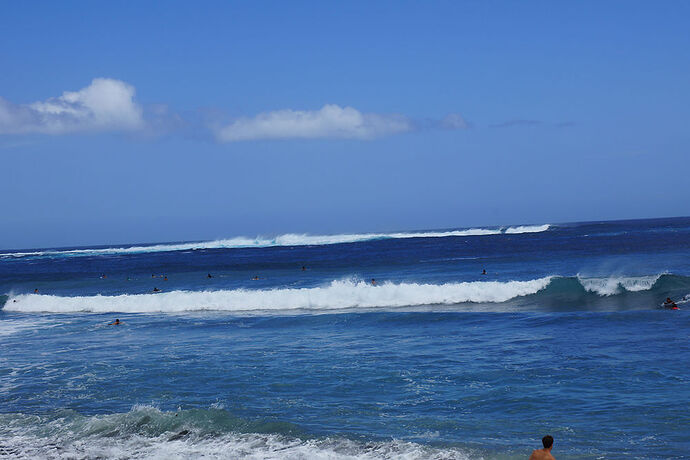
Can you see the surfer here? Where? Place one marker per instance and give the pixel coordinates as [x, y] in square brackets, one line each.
[209, 276]
[373, 282]
[545, 453]
[165, 279]
[156, 289]
[256, 278]
[36, 291]
[115, 323]
[670, 304]
[304, 269]
[483, 271]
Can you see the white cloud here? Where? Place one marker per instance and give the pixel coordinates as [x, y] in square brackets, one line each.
[331, 121]
[454, 121]
[105, 105]
[108, 105]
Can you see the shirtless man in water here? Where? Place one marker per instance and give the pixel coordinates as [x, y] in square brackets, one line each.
[545, 453]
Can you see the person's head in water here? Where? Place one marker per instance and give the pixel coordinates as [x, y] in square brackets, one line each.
[668, 300]
[36, 291]
[484, 272]
[209, 276]
[547, 441]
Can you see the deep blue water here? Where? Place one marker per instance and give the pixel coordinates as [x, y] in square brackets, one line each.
[564, 335]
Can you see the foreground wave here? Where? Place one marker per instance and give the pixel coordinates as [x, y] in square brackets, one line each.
[348, 294]
[289, 239]
[147, 432]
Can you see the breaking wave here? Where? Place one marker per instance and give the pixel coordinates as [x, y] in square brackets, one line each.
[146, 432]
[348, 294]
[338, 295]
[290, 239]
[616, 285]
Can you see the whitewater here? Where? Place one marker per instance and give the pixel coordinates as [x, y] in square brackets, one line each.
[337, 295]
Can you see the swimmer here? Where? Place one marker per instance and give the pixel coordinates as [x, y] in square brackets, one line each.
[670, 304]
[115, 323]
[304, 269]
[209, 276]
[165, 278]
[545, 453]
[103, 276]
[156, 289]
[484, 272]
[256, 278]
[35, 291]
[373, 282]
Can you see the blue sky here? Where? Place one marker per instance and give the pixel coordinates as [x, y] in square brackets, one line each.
[141, 121]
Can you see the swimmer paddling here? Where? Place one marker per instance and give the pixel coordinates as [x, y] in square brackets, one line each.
[670, 304]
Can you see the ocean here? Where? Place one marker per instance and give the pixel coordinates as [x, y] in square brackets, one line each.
[354, 346]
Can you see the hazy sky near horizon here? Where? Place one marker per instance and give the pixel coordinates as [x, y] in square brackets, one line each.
[141, 121]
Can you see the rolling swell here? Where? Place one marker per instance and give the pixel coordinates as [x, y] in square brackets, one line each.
[552, 292]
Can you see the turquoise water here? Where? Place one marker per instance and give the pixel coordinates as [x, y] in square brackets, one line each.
[563, 336]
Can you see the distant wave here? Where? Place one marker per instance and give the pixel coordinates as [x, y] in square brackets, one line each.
[289, 239]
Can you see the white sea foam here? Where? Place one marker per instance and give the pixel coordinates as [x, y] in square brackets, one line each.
[13, 325]
[337, 295]
[8, 327]
[289, 239]
[527, 229]
[230, 446]
[618, 284]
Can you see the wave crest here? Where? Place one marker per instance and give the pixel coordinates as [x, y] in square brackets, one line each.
[618, 284]
[338, 295]
[547, 292]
